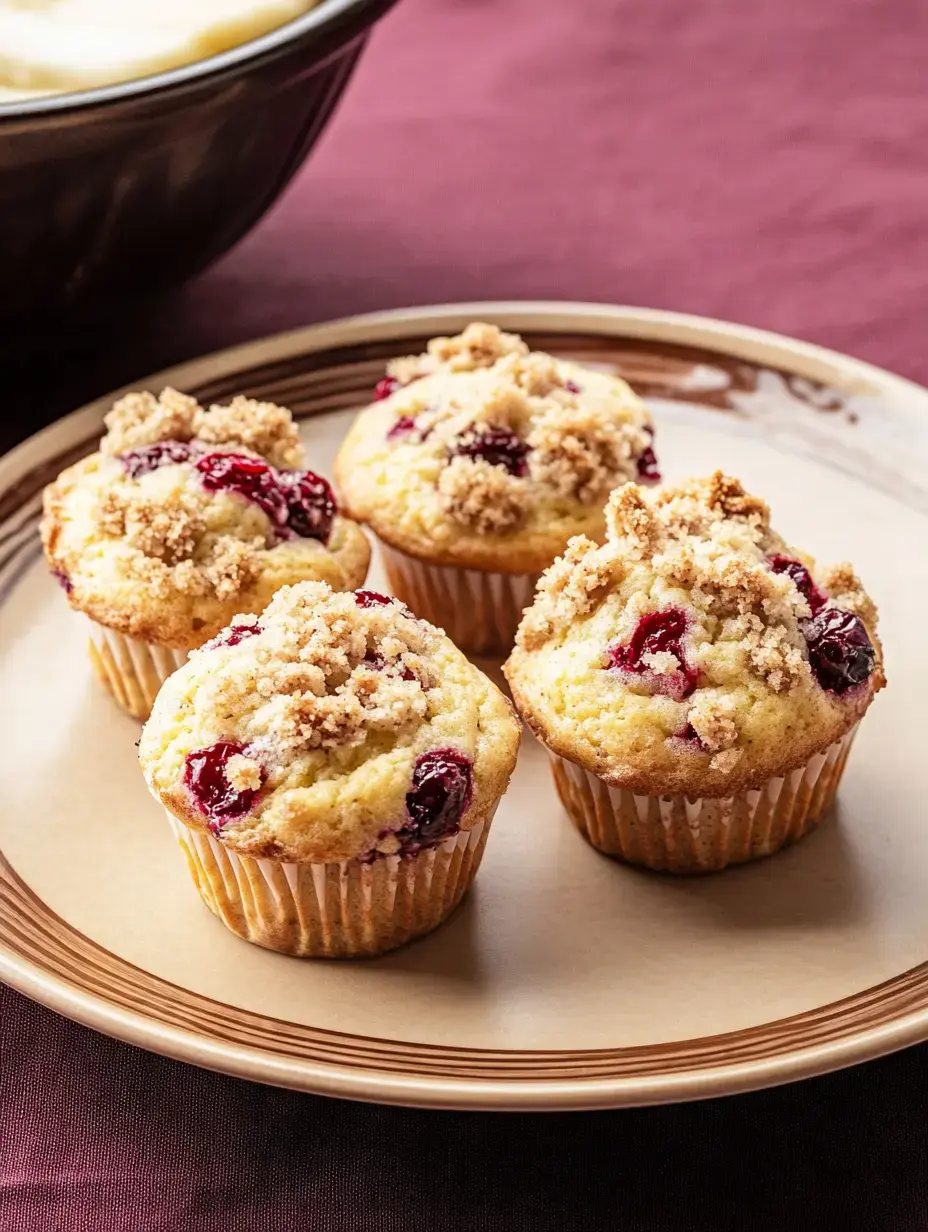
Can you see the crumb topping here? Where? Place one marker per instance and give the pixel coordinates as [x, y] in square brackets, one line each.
[331, 724]
[580, 453]
[726, 761]
[164, 536]
[168, 545]
[483, 497]
[174, 538]
[578, 442]
[708, 536]
[571, 588]
[478, 346]
[684, 631]
[713, 720]
[775, 652]
[693, 507]
[167, 532]
[243, 773]
[846, 588]
[140, 419]
[227, 569]
[327, 672]
[263, 427]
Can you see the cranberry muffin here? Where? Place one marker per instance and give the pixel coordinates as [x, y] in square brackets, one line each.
[476, 464]
[185, 517]
[331, 769]
[696, 681]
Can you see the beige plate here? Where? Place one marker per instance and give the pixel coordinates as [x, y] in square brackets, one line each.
[565, 980]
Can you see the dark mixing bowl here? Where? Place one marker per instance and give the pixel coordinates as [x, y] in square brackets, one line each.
[109, 195]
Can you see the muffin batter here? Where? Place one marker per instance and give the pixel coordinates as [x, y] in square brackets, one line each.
[50, 46]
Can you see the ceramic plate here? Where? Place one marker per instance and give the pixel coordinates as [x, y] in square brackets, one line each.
[566, 980]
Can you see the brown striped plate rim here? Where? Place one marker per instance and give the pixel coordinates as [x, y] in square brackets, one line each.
[46, 958]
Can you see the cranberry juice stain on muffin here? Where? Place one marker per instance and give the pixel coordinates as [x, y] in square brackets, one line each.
[476, 464]
[696, 681]
[343, 759]
[185, 517]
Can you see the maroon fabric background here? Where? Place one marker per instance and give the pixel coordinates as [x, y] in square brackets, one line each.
[762, 162]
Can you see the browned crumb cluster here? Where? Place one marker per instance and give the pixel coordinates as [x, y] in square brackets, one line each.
[168, 546]
[169, 550]
[483, 497]
[243, 773]
[580, 453]
[577, 448]
[713, 720]
[692, 507]
[713, 538]
[535, 373]
[167, 532]
[329, 672]
[774, 650]
[262, 427]
[845, 587]
[228, 568]
[571, 588]
[478, 346]
[140, 419]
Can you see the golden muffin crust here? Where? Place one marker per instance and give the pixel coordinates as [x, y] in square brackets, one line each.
[483, 454]
[330, 700]
[150, 551]
[675, 658]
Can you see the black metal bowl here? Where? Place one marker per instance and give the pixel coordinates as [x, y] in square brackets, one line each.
[116, 193]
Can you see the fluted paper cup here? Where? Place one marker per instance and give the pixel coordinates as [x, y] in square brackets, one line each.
[348, 909]
[479, 610]
[133, 671]
[676, 834]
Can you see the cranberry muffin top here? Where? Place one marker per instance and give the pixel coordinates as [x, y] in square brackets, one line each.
[187, 516]
[694, 652]
[333, 727]
[482, 454]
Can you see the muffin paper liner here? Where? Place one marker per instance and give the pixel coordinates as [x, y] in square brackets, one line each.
[133, 671]
[479, 610]
[347, 909]
[675, 834]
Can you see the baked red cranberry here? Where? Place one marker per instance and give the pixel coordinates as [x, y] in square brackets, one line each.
[311, 506]
[657, 633]
[149, 457]
[375, 659]
[372, 598]
[63, 580]
[691, 736]
[498, 446]
[301, 501]
[571, 386]
[213, 794]
[802, 579]
[438, 797]
[408, 427]
[385, 387]
[252, 478]
[648, 469]
[402, 427]
[232, 636]
[840, 650]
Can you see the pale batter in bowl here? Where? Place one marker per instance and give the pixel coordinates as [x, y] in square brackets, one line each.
[51, 46]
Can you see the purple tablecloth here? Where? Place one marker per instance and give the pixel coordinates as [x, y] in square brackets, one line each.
[762, 162]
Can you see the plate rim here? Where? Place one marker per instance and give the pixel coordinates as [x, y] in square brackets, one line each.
[380, 1085]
